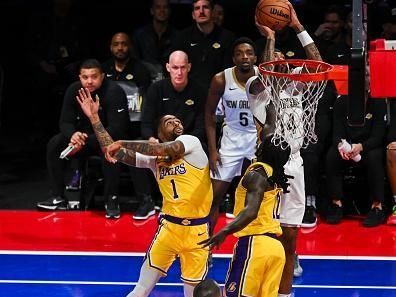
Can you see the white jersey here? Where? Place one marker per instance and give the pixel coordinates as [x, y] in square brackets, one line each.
[236, 105]
[292, 114]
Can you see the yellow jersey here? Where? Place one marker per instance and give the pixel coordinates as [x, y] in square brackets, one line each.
[187, 190]
[266, 220]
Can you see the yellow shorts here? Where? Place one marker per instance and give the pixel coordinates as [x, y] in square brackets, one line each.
[256, 267]
[172, 241]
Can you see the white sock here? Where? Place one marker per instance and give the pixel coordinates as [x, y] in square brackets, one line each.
[313, 201]
[284, 295]
[188, 290]
[308, 200]
[147, 280]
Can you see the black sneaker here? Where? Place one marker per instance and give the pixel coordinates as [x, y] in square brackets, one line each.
[53, 203]
[334, 214]
[145, 210]
[229, 208]
[309, 220]
[113, 208]
[374, 217]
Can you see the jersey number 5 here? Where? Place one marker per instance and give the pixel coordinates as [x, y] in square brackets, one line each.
[243, 119]
[175, 195]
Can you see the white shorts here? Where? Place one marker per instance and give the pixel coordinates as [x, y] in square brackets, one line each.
[292, 205]
[235, 146]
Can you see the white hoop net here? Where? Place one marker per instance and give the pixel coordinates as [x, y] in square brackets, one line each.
[295, 93]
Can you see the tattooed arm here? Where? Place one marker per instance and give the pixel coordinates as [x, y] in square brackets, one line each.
[90, 109]
[173, 149]
[311, 50]
[268, 53]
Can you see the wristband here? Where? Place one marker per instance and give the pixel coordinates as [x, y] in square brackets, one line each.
[304, 38]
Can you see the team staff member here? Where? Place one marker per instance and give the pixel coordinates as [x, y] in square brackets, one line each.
[208, 46]
[122, 66]
[75, 129]
[177, 95]
[182, 172]
[134, 78]
[257, 227]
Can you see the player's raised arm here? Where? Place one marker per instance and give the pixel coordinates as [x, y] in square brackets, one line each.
[307, 42]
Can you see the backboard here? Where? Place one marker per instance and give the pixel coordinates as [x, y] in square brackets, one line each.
[358, 91]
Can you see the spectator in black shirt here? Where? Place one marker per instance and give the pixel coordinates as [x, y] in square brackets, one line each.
[153, 41]
[177, 95]
[368, 141]
[123, 66]
[75, 129]
[134, 78]
[208, 46]
[331, 31]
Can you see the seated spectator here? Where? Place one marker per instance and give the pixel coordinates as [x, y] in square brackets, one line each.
[54, 47]
[76, 131]
[153, 41]
[133, 76]
[331, 31]
[178, 95]
[218, 14]
[368, 141]
[207, 288]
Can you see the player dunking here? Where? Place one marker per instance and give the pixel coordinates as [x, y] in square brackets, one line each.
[258, 260]
[293, 203]
[181, 168]
[238, 140]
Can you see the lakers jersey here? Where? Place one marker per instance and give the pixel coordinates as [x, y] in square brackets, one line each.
[236, 105]
[266, 220]
[187, 190]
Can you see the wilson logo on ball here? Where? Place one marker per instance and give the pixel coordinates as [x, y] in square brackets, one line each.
[279, 13]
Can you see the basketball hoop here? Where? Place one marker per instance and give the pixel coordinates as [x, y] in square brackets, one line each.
[295, 87]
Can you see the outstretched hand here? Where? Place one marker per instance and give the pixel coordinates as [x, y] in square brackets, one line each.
[214, 241]
[89, 107]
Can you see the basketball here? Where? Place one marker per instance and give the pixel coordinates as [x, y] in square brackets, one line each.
[274, 14]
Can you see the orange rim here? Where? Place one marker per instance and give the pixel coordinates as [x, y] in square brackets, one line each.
[326, 72]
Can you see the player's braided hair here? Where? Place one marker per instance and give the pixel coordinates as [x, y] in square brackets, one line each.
[276, 157]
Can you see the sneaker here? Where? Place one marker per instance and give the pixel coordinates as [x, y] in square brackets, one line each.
[334, 214]
[113, 208]
[374, 217]
[145, 210]
[298, 270]
[392, 217]
[229, 208]
[53, 203]
[309, 219]
[75, 183]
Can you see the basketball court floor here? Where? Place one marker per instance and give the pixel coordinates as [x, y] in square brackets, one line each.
[82, 254]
